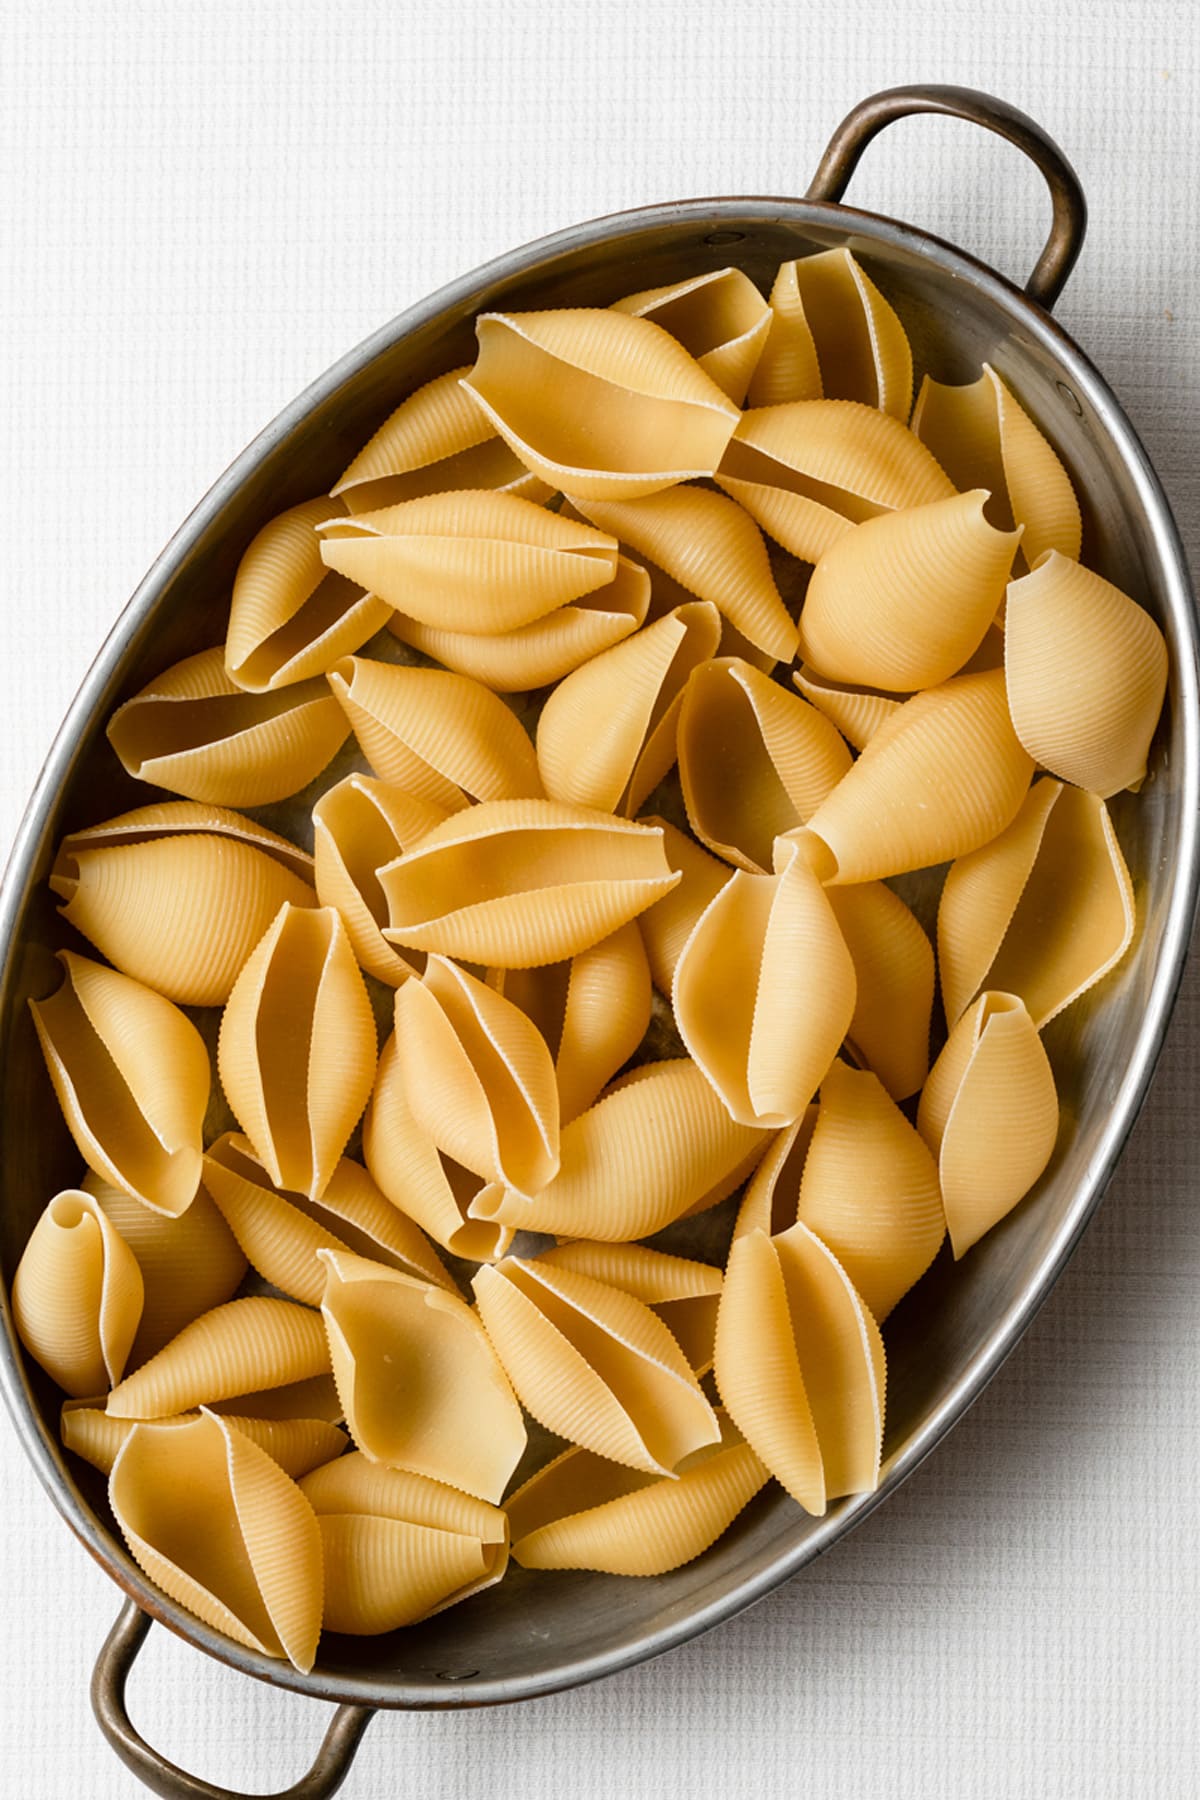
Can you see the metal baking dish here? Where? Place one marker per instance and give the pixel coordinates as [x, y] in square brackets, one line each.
[535, 1633]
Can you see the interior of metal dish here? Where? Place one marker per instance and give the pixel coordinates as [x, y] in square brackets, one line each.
[535, 1632]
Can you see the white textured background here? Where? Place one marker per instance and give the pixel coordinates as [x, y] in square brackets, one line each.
[202, 206]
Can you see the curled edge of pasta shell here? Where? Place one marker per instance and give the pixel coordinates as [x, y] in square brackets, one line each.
[857, 712]
[787, 367]
[359, 825]
[236, 1349]
[681, 1292]
[77, 1295]
[297, 1445]
[772, 1198]
[180, 818]
[719, 317]
[894, 965]
[667, 925]
[861, 347]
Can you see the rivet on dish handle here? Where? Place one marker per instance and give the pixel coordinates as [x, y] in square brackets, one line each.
[1070, 208]
[116, 1658]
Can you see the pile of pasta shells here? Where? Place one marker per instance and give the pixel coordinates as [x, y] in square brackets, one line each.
[689, 636]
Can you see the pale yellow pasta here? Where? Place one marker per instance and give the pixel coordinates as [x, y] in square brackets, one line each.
[420, 1384]
[359, 825]
[180, 818]
[901, 602]
[989, 1113]
[772, 1198]
[1094, 729]
[857, 712]
[754, 761]
[77, 1295]
[667, 925]
[860, 345]
[439, 736]
[217, 1524]
[297, 1445]
[515, 883]
[787, 368]
[471, 560]
[720, 318]
[310, 1397]
[683, 1293]
[593, 1364]
[606, 735]
[297, 1047]
[195, 731]
[237, 1349]
[597, 402]
[893, 964]
[132, 1078]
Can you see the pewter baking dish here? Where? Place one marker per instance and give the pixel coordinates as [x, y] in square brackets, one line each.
[539, 1633]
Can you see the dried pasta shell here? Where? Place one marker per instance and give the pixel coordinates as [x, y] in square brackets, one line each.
[297, 1445]
[225, 1532]
[471, 560]
[598, 402]
[827, 310]
[772, 1198]
[606, 736]
[183, 818]
[787, 368]
[132, 1077]
[359, 825]
[311, 1397]
[516, 883]
[720, 318]
[754, 761]
[1094, 730]
[857, 712]
[983, 439]
[77, 1295]
[944, 775]
[666, 926]
[682, 1293]
[903, 601]
[764, 992]
[893, 963]
[195, 731]
[420, 1383]
[800, 1366]
[438, 736]
[297, 1048]
[241, 1347]
[593, 1364]
[989, 1113]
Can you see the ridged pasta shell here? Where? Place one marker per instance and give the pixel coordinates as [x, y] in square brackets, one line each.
[234, 1350]
[196, 732]
[800, 1366]
[606, 735]
[593, 1364]
[893, 963]
[471, 560]
[764, 992]
[420, 1383]
[219, 1526]
[720, 318]
[942, 776]
[77, 1295]
[807, 471]
[787, 368]
[297, 1048]
[643, 1156]
[772, 1198]
[989, 1113]
[515, 883]
[713, 549]
[901, 602]
[754, 761]
[667, 925]
[598, 402]
[132, 1078]
[1044, 911]
[828, 310]
[297, 1445]
[311, 1397]
[682, 1293]
[180, 818]
[438, 736]
[535, 655]
[1094, 730]
[359, 825]
[857, 712]
[983, 439]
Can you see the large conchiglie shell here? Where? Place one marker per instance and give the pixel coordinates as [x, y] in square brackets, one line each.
[297, 1445]
[720, 318]
[944, 775]
[893, 963]
[808, 471]
[183, 818]
[667, 925]
[471, 560]
[857, 712]
[643, 1156]
[290, 616]
[439, 736]
[478, 1076]
[297, 1048]
[516, 883]
[989, 1113]
[195, 731]
[597, 402]
[234, 1350]
[772, 1198]
[420, 1384]
[829, 310]
[132, 1077]
[606, 736]
[1043, 911]
[359, 825]
[983, 439]
[764, 992]
[77, 1295]
[225, 1532]
[711, 548]
[311, 1397]
[903, 601]
[754, 760]
[1095, 729]
[684, 1294]
[535, 655]
[594, 1365]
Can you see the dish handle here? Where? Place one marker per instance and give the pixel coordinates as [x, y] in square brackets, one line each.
[329, 1769]
[869, 117]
